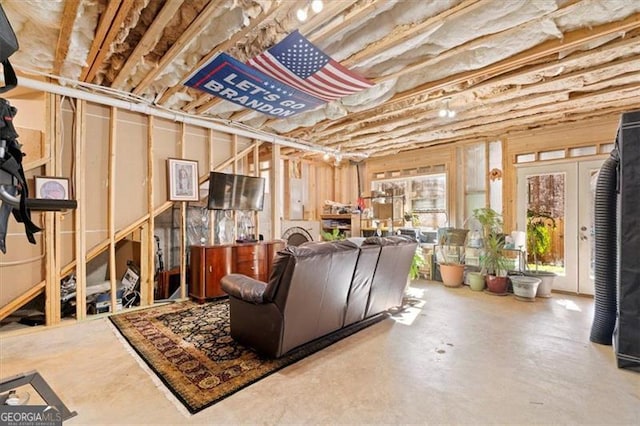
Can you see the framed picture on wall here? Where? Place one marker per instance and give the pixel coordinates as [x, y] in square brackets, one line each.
[52, 187]
[183, 180]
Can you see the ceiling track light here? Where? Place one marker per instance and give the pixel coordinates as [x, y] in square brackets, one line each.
[317, 6]
[446, 111]
[303, 13]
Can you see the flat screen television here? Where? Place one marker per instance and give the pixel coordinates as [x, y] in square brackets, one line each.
[235, 192]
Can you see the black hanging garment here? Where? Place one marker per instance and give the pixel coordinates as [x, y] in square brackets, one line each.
[12, 180]
[8, 45]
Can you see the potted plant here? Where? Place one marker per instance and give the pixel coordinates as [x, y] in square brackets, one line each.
[476, 280]
[539, 225]
[416, 263]
[334, 235]
[490, 221]
[495, 264]
[451, 265]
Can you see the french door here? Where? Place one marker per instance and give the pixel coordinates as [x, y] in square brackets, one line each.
[564, 194]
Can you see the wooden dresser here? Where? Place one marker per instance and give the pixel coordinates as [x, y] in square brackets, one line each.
[208, 264]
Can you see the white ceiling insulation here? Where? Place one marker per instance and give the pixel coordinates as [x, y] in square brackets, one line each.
[503, 65]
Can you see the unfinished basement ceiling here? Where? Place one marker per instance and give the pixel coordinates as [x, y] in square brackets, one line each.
[501, 65]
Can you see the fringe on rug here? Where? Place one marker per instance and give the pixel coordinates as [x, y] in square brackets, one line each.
[154, 378]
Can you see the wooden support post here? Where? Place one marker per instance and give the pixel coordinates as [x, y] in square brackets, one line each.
[81, 212]
[313, 193]
[148, 242]
[212, 213]
[183, 222]
[276, 188]
[234, 169]
[286, 196]
[461, 169]
[256, 172]
[52, 220]
[146, 280]
[508, 186]
[111, 202]
[487, 181]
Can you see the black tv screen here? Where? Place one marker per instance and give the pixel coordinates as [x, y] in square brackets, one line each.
[235, 192]
[249, 193]
[221, 191]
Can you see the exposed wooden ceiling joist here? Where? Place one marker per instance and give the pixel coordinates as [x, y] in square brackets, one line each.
[114, 27]
[238, 36]
[181, 44]
[571, 40]
[62, 47]
[149, 40]
[502, 65]
[101, 32]
[206, 102]
[428, 109]
[497, 124]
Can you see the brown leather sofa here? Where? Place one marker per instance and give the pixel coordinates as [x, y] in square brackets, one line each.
[316, 289]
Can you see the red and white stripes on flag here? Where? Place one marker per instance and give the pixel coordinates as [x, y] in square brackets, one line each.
[298, 63]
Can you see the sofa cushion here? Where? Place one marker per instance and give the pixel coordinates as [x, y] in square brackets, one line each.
[243, 287]
[280, 270]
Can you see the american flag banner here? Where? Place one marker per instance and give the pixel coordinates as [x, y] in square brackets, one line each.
[297, 62]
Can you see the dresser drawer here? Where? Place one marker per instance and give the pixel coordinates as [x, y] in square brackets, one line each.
[250, 253]
[252, 268]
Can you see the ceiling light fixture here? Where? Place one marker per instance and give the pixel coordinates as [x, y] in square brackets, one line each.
[446, 111]
[317, 6]
[303, 13]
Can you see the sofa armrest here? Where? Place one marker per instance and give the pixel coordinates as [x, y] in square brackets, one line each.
[243, 287]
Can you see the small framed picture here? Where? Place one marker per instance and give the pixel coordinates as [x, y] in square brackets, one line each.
[52, 187]
[183, 180]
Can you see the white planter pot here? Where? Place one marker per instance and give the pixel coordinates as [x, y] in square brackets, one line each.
[546, 284]
[525, 287]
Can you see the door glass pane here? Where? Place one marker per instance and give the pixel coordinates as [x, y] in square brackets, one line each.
[546, 222]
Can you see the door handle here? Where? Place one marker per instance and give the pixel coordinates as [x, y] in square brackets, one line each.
[210, 269]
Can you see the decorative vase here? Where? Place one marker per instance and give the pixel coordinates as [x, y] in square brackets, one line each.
[546, 284]
[497, 285]
[525, 287]
[452, 274]
[476, 281]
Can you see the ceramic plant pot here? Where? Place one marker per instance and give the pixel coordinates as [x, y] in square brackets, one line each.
[546, 284]
[497, 285]
[476, 281]
[525, 287]
[452, 274]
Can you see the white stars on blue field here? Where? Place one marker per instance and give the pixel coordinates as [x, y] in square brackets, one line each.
[299, 56]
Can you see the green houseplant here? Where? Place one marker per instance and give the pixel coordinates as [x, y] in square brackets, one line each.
[490, 221]
[416, 263]
[493, 262]
[334, 235]
[539, 226]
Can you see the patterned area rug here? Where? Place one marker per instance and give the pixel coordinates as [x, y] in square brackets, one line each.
[190, 348]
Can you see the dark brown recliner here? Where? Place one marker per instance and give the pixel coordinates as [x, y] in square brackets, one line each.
[316, 289]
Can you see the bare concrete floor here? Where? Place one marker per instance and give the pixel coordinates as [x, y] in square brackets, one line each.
[461, 357]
